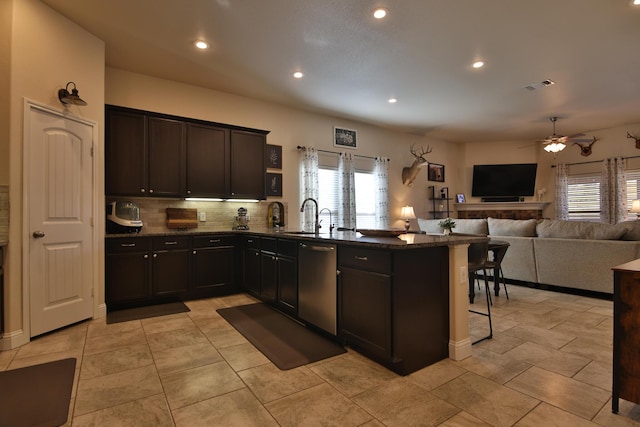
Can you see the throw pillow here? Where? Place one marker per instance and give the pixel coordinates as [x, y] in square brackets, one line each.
[633, 230]
[429, 225]
[512, 227]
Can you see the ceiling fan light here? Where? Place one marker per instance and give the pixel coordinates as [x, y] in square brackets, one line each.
[554, 147]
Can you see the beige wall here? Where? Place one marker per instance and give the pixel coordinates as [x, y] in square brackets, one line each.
[46, 52]
[289, 128]
[6, 12]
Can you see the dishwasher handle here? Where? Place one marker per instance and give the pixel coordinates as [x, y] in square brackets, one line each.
[317, 248]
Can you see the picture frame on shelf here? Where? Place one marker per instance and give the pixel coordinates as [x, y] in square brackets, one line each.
[435, 172]
[274, 184]
[273, 156]
[460, 198]
[343, 137]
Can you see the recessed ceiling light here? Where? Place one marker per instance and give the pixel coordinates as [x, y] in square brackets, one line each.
[201, 44]
[636, 2]
[379, 13]
[392, 100]
[298, 75]
[478, 64]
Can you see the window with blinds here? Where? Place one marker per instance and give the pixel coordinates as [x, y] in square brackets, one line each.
[584, 195]
[365, 200]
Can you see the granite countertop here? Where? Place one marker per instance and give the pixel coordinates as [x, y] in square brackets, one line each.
[403, 241]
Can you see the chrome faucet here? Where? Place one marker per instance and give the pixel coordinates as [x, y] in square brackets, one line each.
[317, 224]
[330, 220]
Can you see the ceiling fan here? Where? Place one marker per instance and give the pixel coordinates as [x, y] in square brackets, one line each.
[556, 143]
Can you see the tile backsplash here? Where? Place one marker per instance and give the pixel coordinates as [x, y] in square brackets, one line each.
[4, 212]
[219, 215]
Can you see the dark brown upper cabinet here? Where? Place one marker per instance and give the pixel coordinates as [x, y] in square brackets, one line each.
[247, 165]
[126, 154]
[152, 154]
[207, 161]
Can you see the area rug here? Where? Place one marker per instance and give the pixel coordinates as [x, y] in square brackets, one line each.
[146, 312]
[284, 341]
[37, 395]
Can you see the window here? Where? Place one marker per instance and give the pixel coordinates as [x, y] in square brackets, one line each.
[584, 195]
[328, 197]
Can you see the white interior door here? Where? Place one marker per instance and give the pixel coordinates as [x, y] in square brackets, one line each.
[59, 210]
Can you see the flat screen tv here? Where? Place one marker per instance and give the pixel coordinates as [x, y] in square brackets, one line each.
[508, 181]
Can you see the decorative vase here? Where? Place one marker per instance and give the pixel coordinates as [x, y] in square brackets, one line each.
[447, 231]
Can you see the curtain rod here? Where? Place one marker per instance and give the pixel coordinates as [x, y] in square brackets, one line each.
[302, 147]
[595, 161]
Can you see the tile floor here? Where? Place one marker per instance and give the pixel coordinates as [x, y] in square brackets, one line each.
[549, 364]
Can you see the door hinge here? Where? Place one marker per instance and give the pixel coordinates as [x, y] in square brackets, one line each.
[91, 152]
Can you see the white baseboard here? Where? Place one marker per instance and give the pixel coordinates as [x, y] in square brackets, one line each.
[11, 340]
[460, 350]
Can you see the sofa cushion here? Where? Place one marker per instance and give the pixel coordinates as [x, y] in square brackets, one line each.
[466, 226]
[579, 230]
[633, 230]
[512, 227]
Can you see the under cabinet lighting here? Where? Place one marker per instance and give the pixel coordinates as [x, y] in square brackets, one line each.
[202, 199]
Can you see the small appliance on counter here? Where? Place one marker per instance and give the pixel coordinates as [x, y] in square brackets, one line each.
[241, 221]
[123, 217]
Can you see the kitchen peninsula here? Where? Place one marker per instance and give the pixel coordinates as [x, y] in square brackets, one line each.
[400, 301]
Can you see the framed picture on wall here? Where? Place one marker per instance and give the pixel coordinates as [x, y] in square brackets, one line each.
[273, 156]
[460, 198]
[436, 172]
[274, 184]
[345, 138]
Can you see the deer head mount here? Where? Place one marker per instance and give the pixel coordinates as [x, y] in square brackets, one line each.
[585, 147]
[409, 174]
[636, 139]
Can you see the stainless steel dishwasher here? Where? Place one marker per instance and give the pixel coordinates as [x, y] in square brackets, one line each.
[317, 285]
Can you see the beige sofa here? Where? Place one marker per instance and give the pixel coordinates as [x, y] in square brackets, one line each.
[567, 254]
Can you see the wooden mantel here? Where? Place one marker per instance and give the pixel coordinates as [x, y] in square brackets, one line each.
[503, 210]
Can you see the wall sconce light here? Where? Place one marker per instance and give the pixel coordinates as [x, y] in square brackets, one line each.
[635, 207]
[70, 98]
[407, 213]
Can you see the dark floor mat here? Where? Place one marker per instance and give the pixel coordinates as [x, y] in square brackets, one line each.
[146, 312]
[285, 342]
[37, 395]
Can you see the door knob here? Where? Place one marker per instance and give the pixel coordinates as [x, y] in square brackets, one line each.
[38, 234]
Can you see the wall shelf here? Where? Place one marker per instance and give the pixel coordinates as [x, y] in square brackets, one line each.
[440, 207]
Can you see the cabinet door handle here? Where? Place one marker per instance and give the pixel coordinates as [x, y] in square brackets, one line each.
[361, 258]
[171, 243]
[188, 191]
[146, 256]
[128, 245]
[194, 252]
[249, 240]
[214, 240]
[142, 190]
[150, 191]
[155, 255]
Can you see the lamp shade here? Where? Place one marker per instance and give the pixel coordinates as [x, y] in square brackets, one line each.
[554, 147]
[635, 206]
[407, 212]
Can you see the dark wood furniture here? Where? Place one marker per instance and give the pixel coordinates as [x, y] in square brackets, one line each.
[501, 210]
[279, 266]
[142, 270]
[393, 305]
[159, 155]
[626, 334]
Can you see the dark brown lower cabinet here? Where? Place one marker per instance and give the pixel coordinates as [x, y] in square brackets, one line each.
[394, 305]
[127, 271]
[212, 265]
[366, 325]
[149, 270]
[171, 272]
[250, 265]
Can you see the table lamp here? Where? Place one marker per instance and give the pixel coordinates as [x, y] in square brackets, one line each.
[635, 207]
[407, 213]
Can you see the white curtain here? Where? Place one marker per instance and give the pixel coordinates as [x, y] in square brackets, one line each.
[308, 185]
[562, 191]
[613, 191]
[381, 180]
[346, 191]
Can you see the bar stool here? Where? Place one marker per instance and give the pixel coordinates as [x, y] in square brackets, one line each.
[498, 249]
[477, 258]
